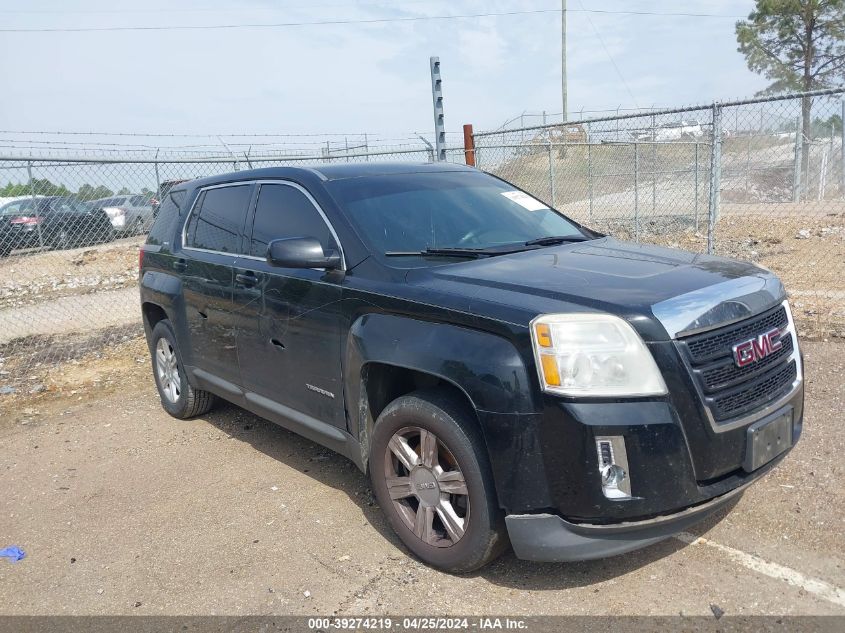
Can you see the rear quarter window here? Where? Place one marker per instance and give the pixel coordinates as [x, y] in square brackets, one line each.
[167, 220]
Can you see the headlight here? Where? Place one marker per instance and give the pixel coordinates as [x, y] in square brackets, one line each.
[593, 355]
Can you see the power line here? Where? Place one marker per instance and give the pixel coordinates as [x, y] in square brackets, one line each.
[612, 61]
[420, 18]
[277, 9]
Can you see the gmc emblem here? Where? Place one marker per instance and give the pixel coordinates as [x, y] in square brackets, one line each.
[758, 348]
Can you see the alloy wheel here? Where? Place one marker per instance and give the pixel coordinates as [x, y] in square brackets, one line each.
[167, 370]
[427, 487]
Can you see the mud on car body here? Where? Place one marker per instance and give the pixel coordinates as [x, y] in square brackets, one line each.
[501, 372]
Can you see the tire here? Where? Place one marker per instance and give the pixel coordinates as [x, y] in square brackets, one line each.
[177, 396]
[459, 530]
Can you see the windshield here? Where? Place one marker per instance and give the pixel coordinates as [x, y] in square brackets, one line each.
[437, 210]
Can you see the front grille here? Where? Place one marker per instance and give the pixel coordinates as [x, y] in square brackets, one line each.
[713, 344]
[726, 374]
[749, 397]
[730, 391]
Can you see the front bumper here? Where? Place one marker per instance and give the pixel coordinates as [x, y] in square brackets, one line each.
[549, 538]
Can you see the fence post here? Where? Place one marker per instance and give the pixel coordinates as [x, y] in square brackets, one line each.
[715, 177]
[796, 168]
[34, 203]
[551, 175]
[469, 145]
[653, 165]
[822, 176]
[366, 148]
[590, 174]
[842, 152]
[636, 192]
[695, 204]
[158, 179]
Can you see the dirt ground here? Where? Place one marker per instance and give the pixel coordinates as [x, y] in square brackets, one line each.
[31, 278]
[124, 510]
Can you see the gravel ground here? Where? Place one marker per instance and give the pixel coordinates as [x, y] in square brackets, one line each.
[124, 510]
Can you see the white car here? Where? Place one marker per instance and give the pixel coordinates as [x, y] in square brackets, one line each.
[130, 215]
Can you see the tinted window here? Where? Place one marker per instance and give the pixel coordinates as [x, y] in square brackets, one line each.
[165, 225]
[411, 212]
[139, 201]
[220, 219]
[282, 212]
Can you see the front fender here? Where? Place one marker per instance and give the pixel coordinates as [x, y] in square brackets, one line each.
[487, 368]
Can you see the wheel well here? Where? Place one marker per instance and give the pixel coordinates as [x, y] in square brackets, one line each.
[384, 383]
[153, 314]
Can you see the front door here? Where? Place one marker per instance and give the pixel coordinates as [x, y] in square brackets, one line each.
[289, 333]
[213, 238]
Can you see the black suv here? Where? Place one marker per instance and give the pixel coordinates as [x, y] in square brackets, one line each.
[497, 369]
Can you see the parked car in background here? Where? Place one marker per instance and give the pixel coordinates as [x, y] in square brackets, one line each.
[129, 215]
[163, 190]
[53, 221]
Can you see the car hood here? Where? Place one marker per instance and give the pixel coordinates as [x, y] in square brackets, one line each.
[684, 292]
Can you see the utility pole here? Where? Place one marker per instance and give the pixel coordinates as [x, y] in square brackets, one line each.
[437, 101]
[563, 59]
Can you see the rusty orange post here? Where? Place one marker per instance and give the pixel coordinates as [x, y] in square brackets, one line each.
[469, 145]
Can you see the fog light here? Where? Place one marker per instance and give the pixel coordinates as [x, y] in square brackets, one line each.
[613, 467]
[612, 475]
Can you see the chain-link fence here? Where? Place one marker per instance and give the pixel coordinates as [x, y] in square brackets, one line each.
[761, 180]
[70, 232]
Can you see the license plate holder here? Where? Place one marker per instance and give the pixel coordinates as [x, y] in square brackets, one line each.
[767, 439]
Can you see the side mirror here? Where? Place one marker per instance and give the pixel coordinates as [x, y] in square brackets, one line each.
[301, 252]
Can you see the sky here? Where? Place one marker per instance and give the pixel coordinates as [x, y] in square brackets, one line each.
[353, 78]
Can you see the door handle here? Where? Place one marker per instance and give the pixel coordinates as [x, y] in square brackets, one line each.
[180, 264]
[246, 279]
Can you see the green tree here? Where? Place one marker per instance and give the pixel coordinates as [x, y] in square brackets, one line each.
[89, 192]
[39, 187]
[799, 45]
[123, 191]
[828, 126]
[14, 189]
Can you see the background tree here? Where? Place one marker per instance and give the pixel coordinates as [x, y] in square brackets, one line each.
[89, 192]
[799, 45]
[39, 186]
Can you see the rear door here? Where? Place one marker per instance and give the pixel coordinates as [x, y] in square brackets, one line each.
[289, 338]
[212, 239]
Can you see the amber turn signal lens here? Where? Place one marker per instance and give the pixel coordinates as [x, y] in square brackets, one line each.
[550, 372]
[544, 335]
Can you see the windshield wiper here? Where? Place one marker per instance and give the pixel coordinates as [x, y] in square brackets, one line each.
[447, 252]
[552, 240]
